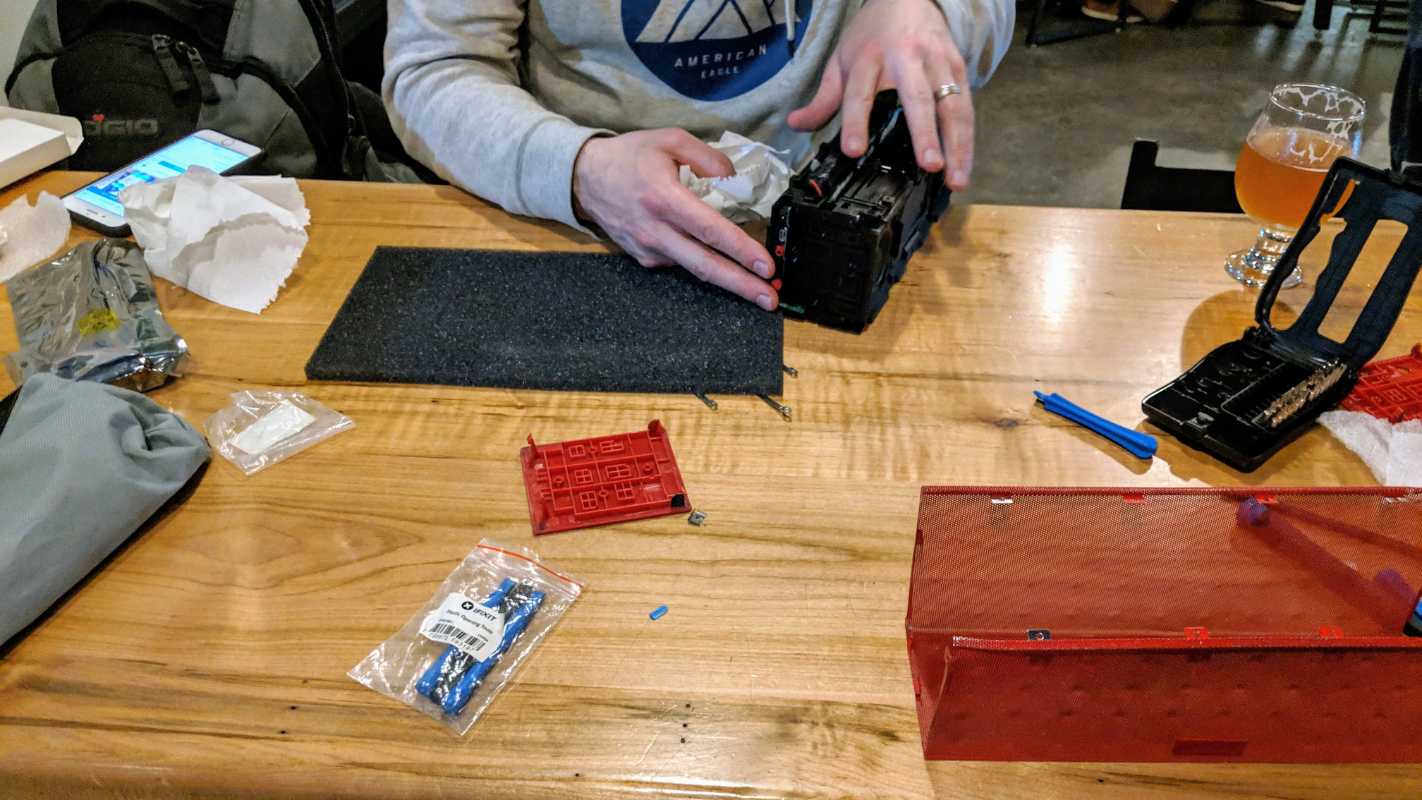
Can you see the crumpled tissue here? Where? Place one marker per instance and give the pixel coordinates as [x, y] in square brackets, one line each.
[232, 240]
[30, 234]
[761, 177]
[1392, 452]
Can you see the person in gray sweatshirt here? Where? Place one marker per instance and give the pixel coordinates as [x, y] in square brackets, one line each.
[582, 111]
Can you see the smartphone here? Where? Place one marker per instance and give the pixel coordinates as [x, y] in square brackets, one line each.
[97, 205]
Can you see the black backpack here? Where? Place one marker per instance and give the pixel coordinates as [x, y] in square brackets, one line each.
[143, 73]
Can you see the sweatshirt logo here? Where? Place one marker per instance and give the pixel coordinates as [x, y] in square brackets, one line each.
[712, 49]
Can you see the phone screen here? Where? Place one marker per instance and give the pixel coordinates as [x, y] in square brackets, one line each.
[165, 163]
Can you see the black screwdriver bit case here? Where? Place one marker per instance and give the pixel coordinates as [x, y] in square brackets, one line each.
[1248, 398]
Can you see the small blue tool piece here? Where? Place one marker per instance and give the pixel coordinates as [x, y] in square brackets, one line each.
[658, 612]
[1138, 444]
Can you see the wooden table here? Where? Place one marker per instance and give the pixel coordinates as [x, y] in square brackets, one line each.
[209, 656]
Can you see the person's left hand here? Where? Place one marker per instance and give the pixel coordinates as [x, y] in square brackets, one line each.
[903, 45]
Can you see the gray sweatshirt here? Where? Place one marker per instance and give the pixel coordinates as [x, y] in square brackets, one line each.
[498, 96]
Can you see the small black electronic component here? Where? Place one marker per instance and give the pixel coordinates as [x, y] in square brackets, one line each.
[844, 230]
[1248, 398]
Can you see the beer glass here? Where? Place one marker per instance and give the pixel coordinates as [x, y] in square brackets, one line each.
[1302, 129]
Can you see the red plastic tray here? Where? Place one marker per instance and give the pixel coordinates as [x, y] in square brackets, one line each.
[1165, 625]
[603, 480]
[1390, 389]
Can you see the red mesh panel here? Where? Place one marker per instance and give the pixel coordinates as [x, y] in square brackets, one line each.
[1118, 576]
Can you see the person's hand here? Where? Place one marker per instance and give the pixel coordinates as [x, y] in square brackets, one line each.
[904, 45]
[628, 186]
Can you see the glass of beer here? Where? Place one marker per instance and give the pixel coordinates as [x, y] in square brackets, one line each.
[1302, 129]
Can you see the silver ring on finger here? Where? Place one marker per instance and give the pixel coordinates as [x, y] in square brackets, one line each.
[946, 90]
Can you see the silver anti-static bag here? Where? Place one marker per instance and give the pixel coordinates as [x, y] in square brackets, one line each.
[91, 314]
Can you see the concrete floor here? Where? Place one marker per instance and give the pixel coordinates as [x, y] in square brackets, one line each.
[1056, 123]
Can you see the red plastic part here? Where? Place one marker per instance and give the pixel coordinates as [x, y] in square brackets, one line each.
[1390, 389]
[1180, 628]
[603, 480]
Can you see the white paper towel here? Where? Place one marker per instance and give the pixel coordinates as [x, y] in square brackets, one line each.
[1392, 452]
[231, 240]
[32, 233]
[761, 177]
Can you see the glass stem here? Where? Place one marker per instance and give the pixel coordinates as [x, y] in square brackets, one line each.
[1269, 247]
[1252, 267]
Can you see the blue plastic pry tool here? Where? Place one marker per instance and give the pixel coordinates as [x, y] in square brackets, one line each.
[1138, 444]
[453, 662]
[658, 612]
[514, 624]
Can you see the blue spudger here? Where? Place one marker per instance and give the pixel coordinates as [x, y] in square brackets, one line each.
[453, 658]
[1138, 444]
[514, 625]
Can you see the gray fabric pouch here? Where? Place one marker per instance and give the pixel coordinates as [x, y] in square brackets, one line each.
[82, 466]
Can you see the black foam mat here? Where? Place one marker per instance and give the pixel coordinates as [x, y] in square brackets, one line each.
[540, 320]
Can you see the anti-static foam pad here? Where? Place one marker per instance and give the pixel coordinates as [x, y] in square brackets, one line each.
[525, 320]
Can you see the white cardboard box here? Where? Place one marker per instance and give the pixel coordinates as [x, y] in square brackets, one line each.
[31, 141]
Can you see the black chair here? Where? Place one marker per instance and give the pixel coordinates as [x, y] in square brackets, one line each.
[1070, 25]
[1381, 13]
[1151, 187]
[1385, 11]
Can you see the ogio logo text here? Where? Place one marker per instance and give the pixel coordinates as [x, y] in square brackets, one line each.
[100, 125]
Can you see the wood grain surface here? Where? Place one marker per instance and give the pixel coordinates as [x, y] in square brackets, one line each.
[208, 657]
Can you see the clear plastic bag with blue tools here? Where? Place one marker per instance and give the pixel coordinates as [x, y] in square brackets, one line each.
[463, 647]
